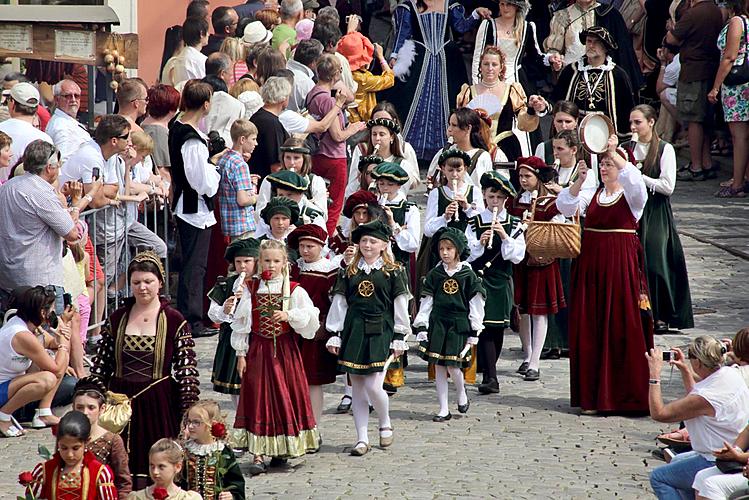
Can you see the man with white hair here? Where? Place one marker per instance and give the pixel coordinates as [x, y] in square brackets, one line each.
[284, 35]
[22, 104]
[271, 133]
[64, 129]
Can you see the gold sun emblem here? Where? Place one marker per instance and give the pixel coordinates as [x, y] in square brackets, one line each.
[450, 286]
[366, 288]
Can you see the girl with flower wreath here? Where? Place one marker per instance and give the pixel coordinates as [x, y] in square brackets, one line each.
[274, 404]
[210, 467]
[165, 458]
[72, 473]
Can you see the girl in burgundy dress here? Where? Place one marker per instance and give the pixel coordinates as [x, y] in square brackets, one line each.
[318, 275]
[608, 336]
[538, 284]
[274, 405]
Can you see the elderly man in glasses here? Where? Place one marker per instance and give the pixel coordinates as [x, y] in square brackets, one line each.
[64, 129]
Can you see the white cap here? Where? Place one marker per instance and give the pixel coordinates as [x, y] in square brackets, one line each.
[255, 32]
[25, 93]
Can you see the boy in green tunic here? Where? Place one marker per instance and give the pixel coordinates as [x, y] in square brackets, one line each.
[496, 243]
[369, 316]
[452, 310]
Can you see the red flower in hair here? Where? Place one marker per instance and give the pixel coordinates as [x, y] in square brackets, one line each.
[159, 493]
[25, 478]
[484, 115]
[218, 430]
[266, 275]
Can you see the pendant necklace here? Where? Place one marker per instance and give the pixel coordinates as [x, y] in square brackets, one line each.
[591, 90]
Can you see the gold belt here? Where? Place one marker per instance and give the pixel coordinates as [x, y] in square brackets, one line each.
[626, 231]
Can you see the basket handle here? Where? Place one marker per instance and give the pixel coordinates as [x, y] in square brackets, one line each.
[575, 217]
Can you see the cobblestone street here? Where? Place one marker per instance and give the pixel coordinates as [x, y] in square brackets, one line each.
[523, 443]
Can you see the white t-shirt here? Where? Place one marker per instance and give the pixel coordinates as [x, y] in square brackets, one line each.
[22, 133]
[67, 132]
[12, 364]
[80, 166]
[293, 122]
[671, 72]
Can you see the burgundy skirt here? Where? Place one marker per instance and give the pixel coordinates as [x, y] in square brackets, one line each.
[538, 289]
[320, 366]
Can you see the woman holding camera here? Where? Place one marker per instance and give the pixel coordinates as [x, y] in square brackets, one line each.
[715, 410]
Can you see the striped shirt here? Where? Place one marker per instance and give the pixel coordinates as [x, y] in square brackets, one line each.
[33, 225]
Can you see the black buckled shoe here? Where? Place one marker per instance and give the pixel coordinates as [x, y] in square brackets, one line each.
[523, 368]
[439, 418]
[532, 375]
[464, 408]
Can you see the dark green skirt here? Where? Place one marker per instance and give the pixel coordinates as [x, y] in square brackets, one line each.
[444, 346]
[224, 378]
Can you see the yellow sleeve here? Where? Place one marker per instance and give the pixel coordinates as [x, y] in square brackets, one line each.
[526, 122]
[371, 83]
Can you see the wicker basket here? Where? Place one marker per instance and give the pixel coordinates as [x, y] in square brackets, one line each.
[552, 240]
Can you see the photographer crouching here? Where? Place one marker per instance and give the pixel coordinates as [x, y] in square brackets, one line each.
[715, 410]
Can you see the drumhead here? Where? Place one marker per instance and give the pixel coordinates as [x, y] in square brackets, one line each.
[594, 132]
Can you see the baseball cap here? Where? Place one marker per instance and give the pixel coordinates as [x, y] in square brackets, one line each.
[25, 93]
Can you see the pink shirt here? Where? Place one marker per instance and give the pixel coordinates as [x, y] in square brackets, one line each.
[320, 103]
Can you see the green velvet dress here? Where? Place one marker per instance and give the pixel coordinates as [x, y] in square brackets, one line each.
[449, 324]
[368, 328]
[224, 377]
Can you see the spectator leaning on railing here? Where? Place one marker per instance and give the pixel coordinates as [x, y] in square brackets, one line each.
[35, 221]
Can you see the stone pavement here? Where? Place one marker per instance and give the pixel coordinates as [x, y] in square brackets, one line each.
[524, 443]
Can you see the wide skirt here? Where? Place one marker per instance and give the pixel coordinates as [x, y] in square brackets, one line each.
[224, 376]
[538, 289]
[155, 415]
[320, 366]
[274, 404]
[665, 266]
[608, 338]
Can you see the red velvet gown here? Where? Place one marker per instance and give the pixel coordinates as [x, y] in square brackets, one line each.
[320, 366]
[608, 336]
[538, 287]
[95, 481]
[274, 405]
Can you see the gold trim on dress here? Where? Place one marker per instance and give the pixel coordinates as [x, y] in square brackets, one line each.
[609, 203]
[284, 446]
[223, 384]
[160, 345]
[440, 357]
[356, 366]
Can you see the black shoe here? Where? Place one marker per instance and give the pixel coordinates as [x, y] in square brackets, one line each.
[278, 462]
[532, 375]
[438, 418]
[565, 353]
[553, 353]
[464, 408]
[390, 389]
[257, 468]
[523, 368]
[491, 387]
[343, 406]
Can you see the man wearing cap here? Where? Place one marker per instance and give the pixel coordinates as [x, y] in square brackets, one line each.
[565, 46]
[494, 265]
[596, 83]
[289, 184]
[224, 20]
[22, 105]
[67, 132]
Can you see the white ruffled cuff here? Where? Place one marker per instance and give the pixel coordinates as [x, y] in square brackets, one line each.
[472, 340]
[399, 345]
[422, 337]
[334, 341]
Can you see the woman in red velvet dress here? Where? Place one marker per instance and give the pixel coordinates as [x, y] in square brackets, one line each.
[148, 354]
[608, 332]
[538, 284]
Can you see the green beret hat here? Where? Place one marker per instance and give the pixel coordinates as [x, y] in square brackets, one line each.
[390, 171]
[288, 179]
[249, 247]
[376, 229]
[493, 179]
[280, 205]
[457, 237]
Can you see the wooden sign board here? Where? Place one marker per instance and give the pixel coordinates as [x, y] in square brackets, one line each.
[65, 44]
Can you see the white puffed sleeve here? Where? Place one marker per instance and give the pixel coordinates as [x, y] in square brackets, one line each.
[474, 243]
[483, 164]
[409, 239]
[425, 309]
[402, 320]
[513, 249]
[635, 191]
[304, 317]
[413, 176]
[263, 197]
[477, 205]
[434, 221]
[320, 194]
[666, 182]
[353, 173]
[216, 313]
[476, 312]
[336, 314]
[568, 204]
[241, 324]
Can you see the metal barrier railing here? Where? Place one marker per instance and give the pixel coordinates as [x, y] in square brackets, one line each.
[159, 219]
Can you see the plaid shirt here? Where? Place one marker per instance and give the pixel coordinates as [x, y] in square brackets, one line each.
[235, 176]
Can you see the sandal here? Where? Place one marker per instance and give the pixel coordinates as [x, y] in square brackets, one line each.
[38, 423]
[15, 429]
[730, 192]
[360, 449]
[343, 406]
[679, 436]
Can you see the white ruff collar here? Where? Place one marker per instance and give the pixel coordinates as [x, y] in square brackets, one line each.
[606, 66]
[203, 449]
[323, 265]
[367, 268]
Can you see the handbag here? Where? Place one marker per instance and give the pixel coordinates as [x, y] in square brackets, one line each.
[739, 74]
[545, 241]
[729, 466]
[119, 409]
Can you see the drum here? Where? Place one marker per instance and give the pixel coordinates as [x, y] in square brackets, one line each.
[594, 131]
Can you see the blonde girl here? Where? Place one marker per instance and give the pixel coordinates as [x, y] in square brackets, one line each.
[165, 459]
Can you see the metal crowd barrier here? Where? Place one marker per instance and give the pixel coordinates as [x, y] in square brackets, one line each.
[155, 220]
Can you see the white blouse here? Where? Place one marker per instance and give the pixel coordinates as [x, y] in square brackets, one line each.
[409, 163]
[633, 187]
[483, 164]
[304, 317]
[408, 238]
[512, 249]
[475, 305]
[666, 182]
[318, 189]
[435, 221]
[339, 306]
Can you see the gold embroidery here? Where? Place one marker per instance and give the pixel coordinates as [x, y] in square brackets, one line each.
[366, 288]
[160, 348]
[267, 303]
[140, 343]
[356, 366]
[450, 286]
